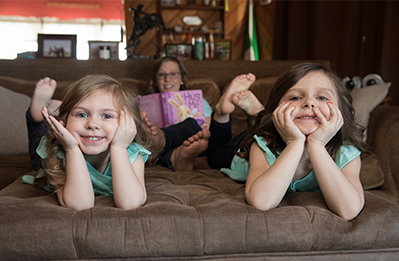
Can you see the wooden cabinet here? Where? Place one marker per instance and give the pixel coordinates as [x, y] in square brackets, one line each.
[176, 31]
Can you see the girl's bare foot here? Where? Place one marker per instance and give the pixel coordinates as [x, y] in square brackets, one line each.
[225, 105]
[248, 102]
[158, 137]
[182, 158]
[44, 91]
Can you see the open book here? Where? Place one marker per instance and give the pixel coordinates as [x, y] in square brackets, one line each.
[168, 108]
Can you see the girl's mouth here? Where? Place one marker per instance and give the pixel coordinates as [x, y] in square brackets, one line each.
[92, 138]
[308, 118]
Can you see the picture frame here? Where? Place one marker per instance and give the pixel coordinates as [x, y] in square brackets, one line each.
[104, 50]
[180, 51]
[222, 50]
[59, 46]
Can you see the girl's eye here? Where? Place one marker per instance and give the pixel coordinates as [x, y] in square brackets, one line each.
[295, 98]
[322, 98]
[107, 116]
[82, 115]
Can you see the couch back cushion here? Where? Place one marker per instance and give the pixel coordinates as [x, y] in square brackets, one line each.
[13, 131]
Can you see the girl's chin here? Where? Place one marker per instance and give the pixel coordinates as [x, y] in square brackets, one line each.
[307, 131]
[94, 151]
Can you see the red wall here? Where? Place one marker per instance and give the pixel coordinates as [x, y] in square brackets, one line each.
[64, 9]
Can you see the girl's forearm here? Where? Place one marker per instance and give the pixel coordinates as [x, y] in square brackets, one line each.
[269, 188]
[77, 192]
[127, 179]
[341, 189]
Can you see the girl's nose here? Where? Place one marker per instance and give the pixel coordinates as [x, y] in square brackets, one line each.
[93, 124]
[309, 103]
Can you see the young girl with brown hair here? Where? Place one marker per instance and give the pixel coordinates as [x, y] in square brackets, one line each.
[305, 139]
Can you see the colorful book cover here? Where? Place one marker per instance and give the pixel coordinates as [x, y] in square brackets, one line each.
[168, 108]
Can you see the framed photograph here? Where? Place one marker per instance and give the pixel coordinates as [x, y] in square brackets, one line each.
[222, 49]
[103, 50]
[180, 51]
[56, 46]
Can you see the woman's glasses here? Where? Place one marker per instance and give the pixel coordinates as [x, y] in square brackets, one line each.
[172, 75]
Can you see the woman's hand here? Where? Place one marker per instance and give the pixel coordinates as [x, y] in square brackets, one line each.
[126, 131]
[327, 129]
[284, 124]
[57, 129]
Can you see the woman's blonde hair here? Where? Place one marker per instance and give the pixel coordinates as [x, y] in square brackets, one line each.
[124, 97]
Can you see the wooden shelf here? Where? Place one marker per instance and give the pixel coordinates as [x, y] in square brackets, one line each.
[212, 17]
[193, 7]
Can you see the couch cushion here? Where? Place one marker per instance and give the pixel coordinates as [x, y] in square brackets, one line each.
[139, 86]
[188, 214]
[13, 131]
[366, 99]
[210, 89]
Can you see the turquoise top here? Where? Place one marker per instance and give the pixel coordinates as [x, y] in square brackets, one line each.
[102, 182]
[240, 167]
[207, 109]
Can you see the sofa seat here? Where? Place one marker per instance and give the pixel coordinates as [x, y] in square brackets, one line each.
[191, 213]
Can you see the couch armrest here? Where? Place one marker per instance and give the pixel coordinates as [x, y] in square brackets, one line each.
[383, 137]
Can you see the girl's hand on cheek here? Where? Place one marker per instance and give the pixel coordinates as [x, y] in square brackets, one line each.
[327, 129]
[57, 129]
[126, 131]
[282, 119]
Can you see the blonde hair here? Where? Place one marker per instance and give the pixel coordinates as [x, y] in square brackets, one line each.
[52, 166]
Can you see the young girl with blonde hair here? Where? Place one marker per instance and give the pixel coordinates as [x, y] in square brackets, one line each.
[95, 144]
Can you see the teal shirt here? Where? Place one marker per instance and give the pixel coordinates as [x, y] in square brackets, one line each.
[240, 167]
[102, 182]
[207, 109]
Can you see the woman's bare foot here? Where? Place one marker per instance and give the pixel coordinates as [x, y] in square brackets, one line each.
[44, 91]
[158, 137]
[182, 158]
[225, 105]
[248, 102]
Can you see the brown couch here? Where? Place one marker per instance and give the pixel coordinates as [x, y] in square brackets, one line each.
[199, 214]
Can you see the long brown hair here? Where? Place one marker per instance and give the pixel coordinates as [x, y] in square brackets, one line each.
[123, 97]
[153, 88]
[350, 133]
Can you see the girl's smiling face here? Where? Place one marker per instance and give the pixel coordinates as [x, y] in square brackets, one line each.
[93, 122]
[169, 77]
[313, 90]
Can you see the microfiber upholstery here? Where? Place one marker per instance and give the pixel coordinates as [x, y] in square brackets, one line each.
[191, 213]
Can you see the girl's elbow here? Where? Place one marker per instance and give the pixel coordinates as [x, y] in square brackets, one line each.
[76, 205]
[79, 207]
[261, 204]
[138, 202]
[351, 213]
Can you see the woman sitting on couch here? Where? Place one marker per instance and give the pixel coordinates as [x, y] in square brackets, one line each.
[176, 146]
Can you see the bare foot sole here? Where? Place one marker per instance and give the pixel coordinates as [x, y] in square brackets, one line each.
[53, 107]
[157, 136]
[183, 157]
[44, 91]
[248, 102]
[239, 83]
